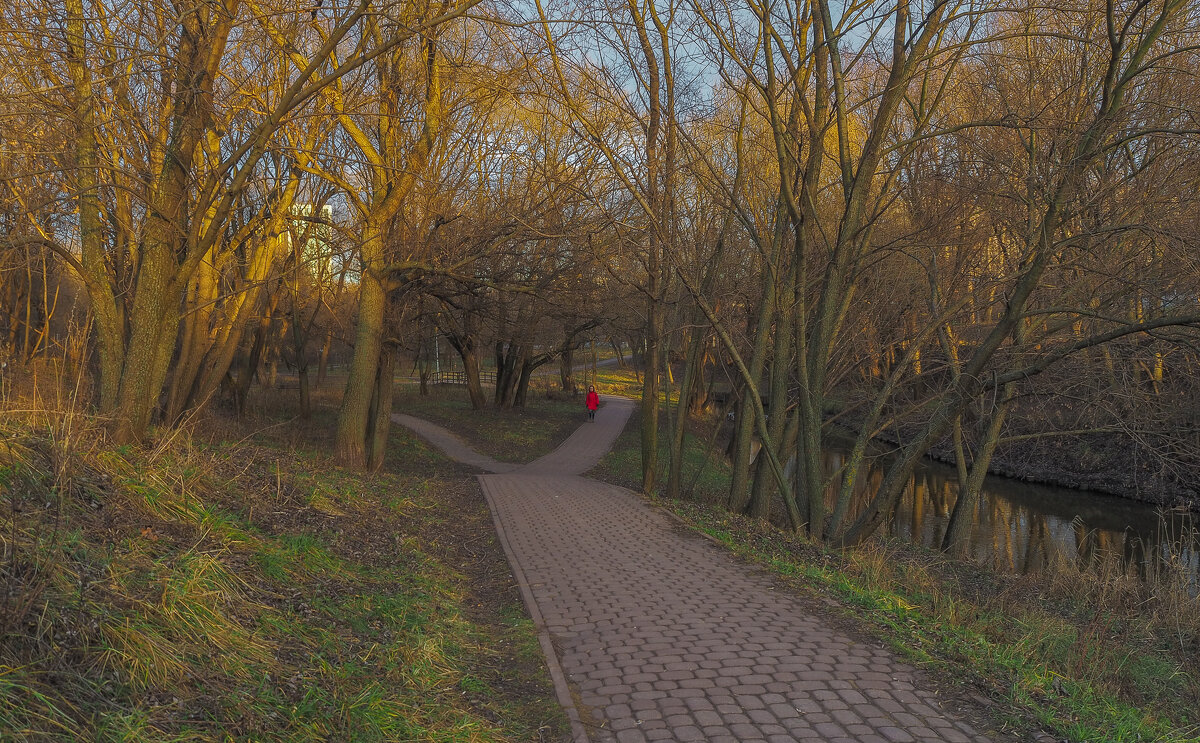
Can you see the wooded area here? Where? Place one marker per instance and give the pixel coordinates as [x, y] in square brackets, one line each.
[954, 223]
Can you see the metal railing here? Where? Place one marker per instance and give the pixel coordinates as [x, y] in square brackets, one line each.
[486, 376]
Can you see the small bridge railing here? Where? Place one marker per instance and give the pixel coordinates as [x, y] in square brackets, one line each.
[486, 376]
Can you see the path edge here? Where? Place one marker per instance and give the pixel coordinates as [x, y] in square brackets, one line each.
[562, 688]
[582, 427]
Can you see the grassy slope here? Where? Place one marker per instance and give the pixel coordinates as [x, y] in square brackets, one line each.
[220, 587]
[1092, 657]
[254, 590]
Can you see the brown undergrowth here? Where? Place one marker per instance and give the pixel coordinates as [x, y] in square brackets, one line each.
[232, 583]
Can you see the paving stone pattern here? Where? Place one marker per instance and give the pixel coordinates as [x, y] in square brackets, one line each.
[665, 637]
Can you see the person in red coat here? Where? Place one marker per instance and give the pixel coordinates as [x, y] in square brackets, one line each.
[593, 402]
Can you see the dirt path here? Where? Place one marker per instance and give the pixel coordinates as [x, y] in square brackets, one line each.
[653, 633]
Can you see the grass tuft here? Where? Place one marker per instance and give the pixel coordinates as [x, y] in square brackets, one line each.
[228, 584]
[1086, 680]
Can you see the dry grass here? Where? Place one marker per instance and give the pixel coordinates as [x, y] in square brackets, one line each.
[1092, 656]
[234, 583]
[1093, 653]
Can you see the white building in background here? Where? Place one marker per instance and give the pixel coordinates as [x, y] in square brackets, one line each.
[314, 226]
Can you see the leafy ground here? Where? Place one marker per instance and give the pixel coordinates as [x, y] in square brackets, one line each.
[235, 584]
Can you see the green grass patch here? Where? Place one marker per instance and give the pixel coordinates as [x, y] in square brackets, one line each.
[1092, 658]
[512, 435]
[241, 586]
[1082, 682]
[627, 382]
[706, 472]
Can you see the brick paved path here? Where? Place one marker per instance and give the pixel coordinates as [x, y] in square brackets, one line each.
[665, 637]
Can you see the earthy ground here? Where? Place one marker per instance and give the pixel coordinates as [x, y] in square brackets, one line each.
[316, 580]
[233, 583]
[456, 529]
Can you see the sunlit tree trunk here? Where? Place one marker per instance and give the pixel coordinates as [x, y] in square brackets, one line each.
[354, 414]
[393, 176]
[240, 313]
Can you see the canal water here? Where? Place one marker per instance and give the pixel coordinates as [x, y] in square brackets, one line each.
[1026, 528]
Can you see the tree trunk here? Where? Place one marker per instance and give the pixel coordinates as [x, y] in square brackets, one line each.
[649, 403]
[518, 356]
[248, 368]
[201, 296]
[739, 484]
[510, 357]
[619, 353]
[693, 372]
[470, 359]
[759, 504]
[323, 359]
[305, 394]
[682, 410]
[110, 322]
[505, 370]
[764, 486]
[424, 368]
[527, 369]
[153, 311]
[353, 416]
[700, 399]
[566, 370]
[240, 311]
[958, 532]
[381, 408]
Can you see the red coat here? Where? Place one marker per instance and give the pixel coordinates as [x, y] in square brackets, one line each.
[593, 400]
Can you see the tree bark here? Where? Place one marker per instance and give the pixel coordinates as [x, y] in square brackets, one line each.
[381, 408]
[390, 184]
[759, 504]
[353, 416]
[305, 393]
[739, 484]
[566, 369]
[110, 323]
[958, 532]
[522, 393]
[682, 411]
[468, 351]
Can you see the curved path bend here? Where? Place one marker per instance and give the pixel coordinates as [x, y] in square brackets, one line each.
[666, 637]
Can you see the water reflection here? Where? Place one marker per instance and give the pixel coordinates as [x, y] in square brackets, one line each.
[1026, 528]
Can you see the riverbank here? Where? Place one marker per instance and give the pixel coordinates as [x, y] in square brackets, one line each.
[1053, 441]
[1099, 463]
[1091, 655]
[1107, 462]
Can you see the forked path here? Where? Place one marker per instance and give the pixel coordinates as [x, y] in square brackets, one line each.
[666, 637]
